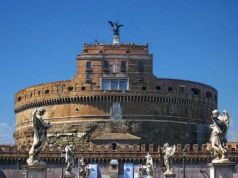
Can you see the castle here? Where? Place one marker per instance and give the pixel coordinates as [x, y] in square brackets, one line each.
[115, 98]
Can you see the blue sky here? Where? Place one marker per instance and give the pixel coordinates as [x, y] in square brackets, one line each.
[191, 39]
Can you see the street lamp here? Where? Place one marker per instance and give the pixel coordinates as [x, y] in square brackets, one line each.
[155, 166]
[62, 155]
[184, 157]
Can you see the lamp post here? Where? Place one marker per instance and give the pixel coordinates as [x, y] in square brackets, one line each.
[184, 156]
[155, 169]
[62, 155]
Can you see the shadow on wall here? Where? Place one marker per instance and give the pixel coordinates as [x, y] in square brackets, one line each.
[2, 174]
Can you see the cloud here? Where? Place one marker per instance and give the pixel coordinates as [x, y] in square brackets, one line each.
[6, 133]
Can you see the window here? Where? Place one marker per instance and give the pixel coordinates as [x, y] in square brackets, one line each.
[105, 65]
[47, 91]
[123, 85]
[208, 94]
[114, 84]
[88, 65]
[19, 98]
[88, 76]
[106, 85]
[158, 88]
[123, 66]
[114, 146]
[140, 66]
[70, 88]
[143, 88]
[83, 88]
[195, 91]
[116, 111]
[170, 88]
[181, 89]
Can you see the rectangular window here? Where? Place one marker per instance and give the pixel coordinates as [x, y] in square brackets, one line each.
[105, 64]
[106, 85]
[114, 84]
[123, 66]
[141, 66]
[88, 76]
[123, 85]
[181, 89]
[88, 65]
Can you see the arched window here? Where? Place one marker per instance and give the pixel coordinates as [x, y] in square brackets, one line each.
[70, 88]
[47, 91]
[19, 98]
[114, 146]
[208, 94]
[195, 91]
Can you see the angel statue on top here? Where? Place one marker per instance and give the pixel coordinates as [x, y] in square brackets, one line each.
[40, 128]
[218, 136]
[167, 152]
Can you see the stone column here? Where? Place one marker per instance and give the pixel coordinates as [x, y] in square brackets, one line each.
[37, 171]
[169, 175]
[221, 170]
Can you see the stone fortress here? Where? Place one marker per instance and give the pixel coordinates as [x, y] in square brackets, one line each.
[115, 93]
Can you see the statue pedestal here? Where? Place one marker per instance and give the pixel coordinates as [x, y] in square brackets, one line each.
[116, 40]
[36, 171]
[69, 176]
[169, 175]
[221, 170]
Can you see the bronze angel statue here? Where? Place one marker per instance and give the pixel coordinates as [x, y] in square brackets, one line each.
[218, 136]
[115, 27]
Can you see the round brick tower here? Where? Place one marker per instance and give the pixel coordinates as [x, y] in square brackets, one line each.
[115, 92]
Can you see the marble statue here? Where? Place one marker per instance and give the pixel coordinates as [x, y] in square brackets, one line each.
[69, 159]
[82, 167]
[115, 27]
[88, 171]
[167, 152]
[149, 165]
[218, 136]
[140, 172]
[40, 128]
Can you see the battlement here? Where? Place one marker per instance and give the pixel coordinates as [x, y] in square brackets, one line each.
[194, 153]
[123, 48]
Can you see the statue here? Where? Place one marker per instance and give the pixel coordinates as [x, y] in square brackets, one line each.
[69, 159]
[82, 167]
[40, 128]
[88, 171]
[219, 129]
[140, 172]
[115, 27]
[116, 35]
[167, 152]
[149, 165]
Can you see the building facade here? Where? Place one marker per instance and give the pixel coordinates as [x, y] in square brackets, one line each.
[115, 91]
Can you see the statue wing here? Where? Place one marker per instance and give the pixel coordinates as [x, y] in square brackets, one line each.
[121, 25]
[226, 118]
[172, 150]
[111, 23]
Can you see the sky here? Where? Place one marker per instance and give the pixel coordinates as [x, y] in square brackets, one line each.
[190, 39]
